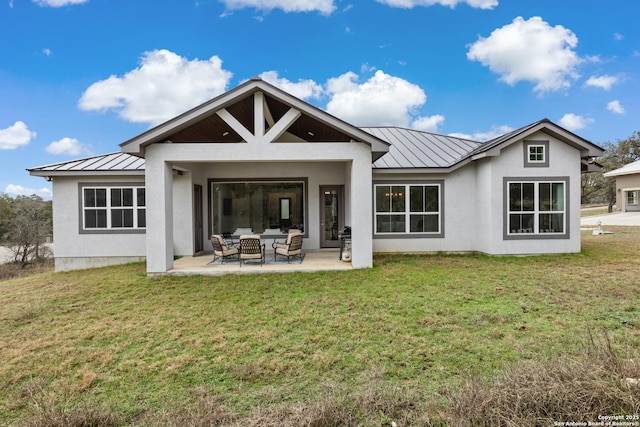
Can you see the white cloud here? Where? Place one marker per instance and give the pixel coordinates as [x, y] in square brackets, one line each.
[605, 82]
[46, 51]
[618, 36]
[494, 132]
[58, 3]
[615, 107]
[530, 50]
[383, 100]
[19, 190]
[408, 4]
[15, 136]
[367, 68]
[163, 86]
[429, 123]
[574, 122]
[325, 7]
[303, 89]
[67, 146]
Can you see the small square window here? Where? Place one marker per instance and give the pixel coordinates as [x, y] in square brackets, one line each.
[536, 154]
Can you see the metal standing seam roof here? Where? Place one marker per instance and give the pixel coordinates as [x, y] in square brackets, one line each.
[628, 169]
[409, 149]
[112, 162]
[417, 149]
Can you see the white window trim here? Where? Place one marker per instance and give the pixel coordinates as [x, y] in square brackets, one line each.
[407, 211]
[531, 153]
[634, 194]
[108, 208]
[536, 234]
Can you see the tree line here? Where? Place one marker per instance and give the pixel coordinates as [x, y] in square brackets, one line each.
[26, 222]
[598, 189]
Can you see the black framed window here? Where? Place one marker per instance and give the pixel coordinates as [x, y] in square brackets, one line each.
[113, 208]
[408, 208]
[257, 207]
[536, 207]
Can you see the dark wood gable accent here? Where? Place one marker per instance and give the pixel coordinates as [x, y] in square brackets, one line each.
[213, 129]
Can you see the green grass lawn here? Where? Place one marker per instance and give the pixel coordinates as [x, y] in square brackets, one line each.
[380, 344]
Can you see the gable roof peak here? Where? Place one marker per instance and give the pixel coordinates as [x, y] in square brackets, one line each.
[545, 125]
[227, 114]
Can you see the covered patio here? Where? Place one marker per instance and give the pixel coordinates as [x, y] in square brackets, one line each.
[255, 159]
[314, 260]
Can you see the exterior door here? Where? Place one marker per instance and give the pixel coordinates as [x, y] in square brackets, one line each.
[197, 219]
[331, 215]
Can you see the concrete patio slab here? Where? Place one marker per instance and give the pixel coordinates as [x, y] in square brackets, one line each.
[314, 260]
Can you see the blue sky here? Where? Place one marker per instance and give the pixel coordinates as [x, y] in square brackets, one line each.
[78, 77]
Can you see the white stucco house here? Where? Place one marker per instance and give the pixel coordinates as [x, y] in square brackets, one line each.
[627, 186]
[258, 159]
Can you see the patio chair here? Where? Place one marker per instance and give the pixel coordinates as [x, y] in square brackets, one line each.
[284, 244]
[221, 250]
[291, 248]
[251, 248]
[228, 238]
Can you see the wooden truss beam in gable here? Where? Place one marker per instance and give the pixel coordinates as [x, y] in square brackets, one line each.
[261, 115]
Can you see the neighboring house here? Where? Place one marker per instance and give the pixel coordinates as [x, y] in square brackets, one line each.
[627, 187]
[256, 159]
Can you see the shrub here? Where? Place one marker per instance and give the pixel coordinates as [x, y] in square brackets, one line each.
[560, 389]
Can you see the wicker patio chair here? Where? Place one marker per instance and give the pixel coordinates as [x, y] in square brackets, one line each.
[221, 250]
[251, 248]
[291, 248]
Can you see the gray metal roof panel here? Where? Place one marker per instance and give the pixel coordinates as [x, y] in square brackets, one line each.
[417, 149]
[116, 162]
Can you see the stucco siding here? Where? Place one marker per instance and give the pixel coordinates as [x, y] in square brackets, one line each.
[183, 235]
[74, 249]
[625, 183]
[347, 164]
[474, 204]
[564, 162]
[459, 219]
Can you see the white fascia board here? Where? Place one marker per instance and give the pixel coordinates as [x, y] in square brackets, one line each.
[80, 173]
[614, 173]
[426, 171]
[587, 149]
[628, 169]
